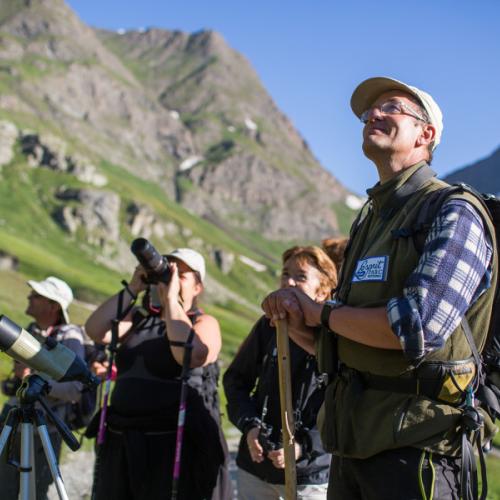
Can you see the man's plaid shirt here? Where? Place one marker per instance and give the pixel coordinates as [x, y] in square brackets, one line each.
[453, 271]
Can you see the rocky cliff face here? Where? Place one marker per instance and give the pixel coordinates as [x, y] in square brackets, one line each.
[57, 70]
[483, 175]
[251, 165]
[183, 110]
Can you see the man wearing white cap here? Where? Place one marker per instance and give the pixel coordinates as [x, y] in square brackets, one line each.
[48, 304]
[393, 341]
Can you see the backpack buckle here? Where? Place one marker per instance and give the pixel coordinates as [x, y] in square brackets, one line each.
[472, 420]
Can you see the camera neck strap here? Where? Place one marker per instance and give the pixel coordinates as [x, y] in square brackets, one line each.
[121, 312]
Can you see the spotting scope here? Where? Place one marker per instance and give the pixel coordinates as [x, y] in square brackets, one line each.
[51, 358]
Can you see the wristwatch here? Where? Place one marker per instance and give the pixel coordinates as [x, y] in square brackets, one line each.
[328, 307]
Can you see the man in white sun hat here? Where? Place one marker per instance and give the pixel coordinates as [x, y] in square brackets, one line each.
[48, 303]
[393, 342]
[56, 292]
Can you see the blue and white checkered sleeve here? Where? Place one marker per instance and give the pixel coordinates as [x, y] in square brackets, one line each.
[453, 271]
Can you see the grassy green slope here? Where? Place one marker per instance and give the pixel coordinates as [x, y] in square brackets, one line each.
[28, 231]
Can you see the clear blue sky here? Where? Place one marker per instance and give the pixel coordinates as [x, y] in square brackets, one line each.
[310, 54]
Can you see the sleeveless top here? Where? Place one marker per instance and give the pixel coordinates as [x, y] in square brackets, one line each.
[148, 380]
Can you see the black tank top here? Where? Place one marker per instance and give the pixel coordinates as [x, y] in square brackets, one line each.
[148, 380]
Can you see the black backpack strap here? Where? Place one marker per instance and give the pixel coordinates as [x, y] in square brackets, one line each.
[475, 353]
[426, 216]
[403, 194]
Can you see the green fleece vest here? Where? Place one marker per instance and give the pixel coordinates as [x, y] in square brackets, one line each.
[359, 422]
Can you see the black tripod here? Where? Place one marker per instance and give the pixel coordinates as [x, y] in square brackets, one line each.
[30, 392]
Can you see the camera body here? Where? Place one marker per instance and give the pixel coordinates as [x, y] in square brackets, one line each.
[155, 264]
[264, 438]
[95, 353]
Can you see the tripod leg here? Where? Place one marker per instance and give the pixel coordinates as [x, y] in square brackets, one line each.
[4, 436]
[52, 461]
[33, 465]
[10, 423]
[9, 441]
[27, 486]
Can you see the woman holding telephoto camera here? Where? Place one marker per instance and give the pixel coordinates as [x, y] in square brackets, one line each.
[251, 384]
[136, 460]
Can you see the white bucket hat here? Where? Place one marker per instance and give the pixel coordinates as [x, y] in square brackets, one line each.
[191, 258]
[367, 92]
[54, 289]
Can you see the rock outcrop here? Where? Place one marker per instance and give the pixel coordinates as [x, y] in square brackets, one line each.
[50, 151]
[95, 211]
[145, 223]
[8, 262]
[224, 260]
[8, 136]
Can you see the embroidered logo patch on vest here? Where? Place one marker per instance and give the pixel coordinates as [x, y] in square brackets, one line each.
[371, 269]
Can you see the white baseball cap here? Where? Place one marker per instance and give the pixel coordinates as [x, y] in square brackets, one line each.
[191, 258]
[54, 289]
[367, 92]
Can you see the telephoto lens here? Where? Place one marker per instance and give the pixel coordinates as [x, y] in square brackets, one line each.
[155, 264]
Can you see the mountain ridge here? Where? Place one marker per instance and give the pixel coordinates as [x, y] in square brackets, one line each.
[481, 174]
[184, 110]
[251, 135]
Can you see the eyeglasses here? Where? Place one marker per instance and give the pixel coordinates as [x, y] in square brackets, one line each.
[392, 108]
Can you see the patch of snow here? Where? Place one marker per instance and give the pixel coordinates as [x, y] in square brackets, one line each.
[250, 124]
[99, 180]
[190, 162]
[354, 202]
[257, 266]
[175, 114]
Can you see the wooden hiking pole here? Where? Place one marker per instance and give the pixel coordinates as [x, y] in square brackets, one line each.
[287, 416]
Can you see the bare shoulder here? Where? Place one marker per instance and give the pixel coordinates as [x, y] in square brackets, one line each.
[207, 321]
